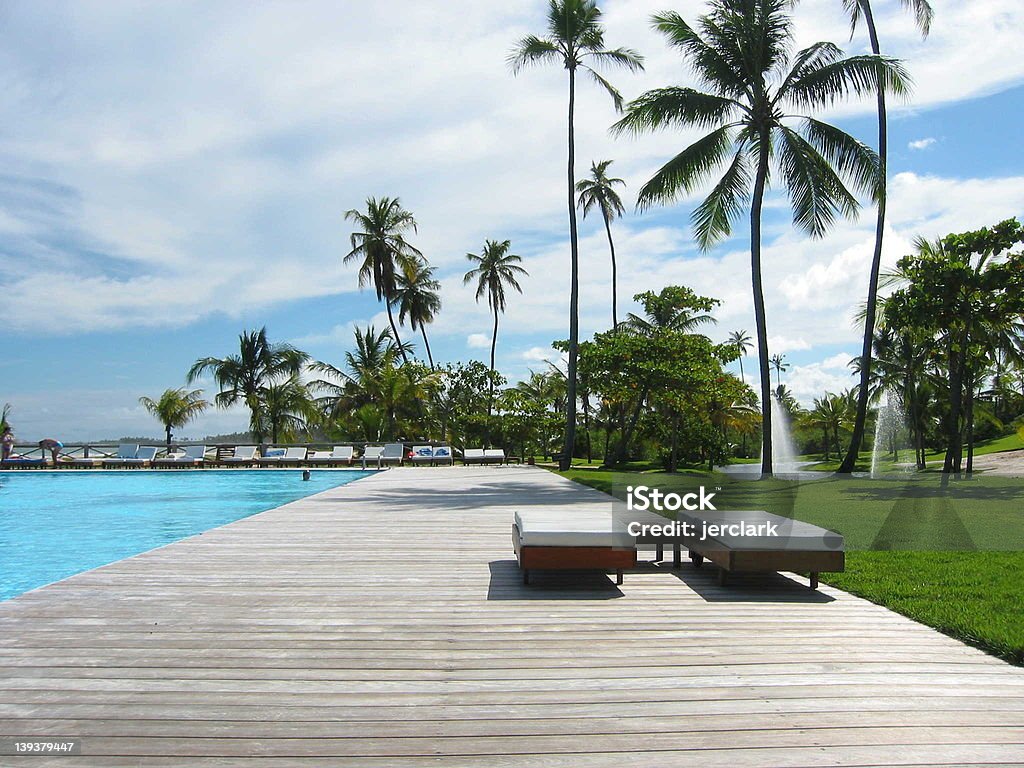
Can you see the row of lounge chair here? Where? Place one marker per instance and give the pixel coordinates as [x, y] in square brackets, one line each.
[132, 455]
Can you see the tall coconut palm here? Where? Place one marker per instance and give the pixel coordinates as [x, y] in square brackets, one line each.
[740, 50]
[245, 377]
[383, 251]
[599, 192]
[495, 269]
[416, 295]
[778, 362]
[175, 408]
[856, 10]
[575, 41]
[741, 341]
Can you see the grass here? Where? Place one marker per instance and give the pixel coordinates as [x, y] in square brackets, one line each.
[950, 557]
[1013, 442]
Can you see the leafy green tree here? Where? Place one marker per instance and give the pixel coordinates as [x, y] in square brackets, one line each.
[961, 291]
[857, 10]
[416, 294]
[461, 400]
[740, 50]
[575, 41]
[495, 269]
[673, 308]
[383, 251]
[175, 408]
[244, 377]
[599, 192]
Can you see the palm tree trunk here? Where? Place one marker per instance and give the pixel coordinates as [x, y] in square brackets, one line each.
[394, 330]
[167, 428]
[574, 293]
[494, 344]
[430, 357]
[970, 426]
[611, 247]
[759, 313]
[850, 460]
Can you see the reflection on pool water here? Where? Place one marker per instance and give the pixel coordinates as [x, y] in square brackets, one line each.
[56, 524]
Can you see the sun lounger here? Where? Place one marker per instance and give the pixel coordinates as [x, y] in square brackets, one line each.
[342, 454]
[473, 456]
[244, 455]
[443, 454]
[142, 458]
[125, 452]
[422, 454]
[371, 454]
[496, 455]
[193, 456]
[565, 539]
[17, 459]
[393, 453]
[777, 544]
[282, 456]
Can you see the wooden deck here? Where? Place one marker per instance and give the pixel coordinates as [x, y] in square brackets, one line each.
[384, 624]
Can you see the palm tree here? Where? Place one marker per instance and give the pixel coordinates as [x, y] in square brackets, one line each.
[669, 310]
[175, 408]
[599, 191]
[495, 269]
[855, 10]
[741, 53]
[417, 298]
[741, 341]
[383, 250]
[245, 377]
[576, 42]
[288, 409]
[778, 362]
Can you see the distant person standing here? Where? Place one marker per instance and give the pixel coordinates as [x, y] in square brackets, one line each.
[7, 443]
[53, 446]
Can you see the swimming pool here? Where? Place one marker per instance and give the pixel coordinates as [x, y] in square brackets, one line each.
[56, 524]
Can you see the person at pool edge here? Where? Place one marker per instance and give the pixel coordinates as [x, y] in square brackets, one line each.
[51, 445]
[7, 441]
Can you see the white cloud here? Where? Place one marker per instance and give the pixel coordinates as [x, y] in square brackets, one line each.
[807, 382]
[921, 143]
[839, 362]
[478, 341]
[540, 355]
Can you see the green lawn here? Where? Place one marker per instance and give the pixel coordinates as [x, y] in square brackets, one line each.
[952, 558]
[1012, 442]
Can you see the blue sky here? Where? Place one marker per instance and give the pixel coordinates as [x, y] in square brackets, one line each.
[174, 174]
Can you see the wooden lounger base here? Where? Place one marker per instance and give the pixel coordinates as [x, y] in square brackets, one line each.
[572, 558]
[760, 561]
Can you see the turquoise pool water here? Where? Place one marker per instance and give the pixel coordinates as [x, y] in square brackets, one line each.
[56, 524]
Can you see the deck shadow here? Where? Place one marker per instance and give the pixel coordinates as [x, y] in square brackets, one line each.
[744, 587]
[506, 583]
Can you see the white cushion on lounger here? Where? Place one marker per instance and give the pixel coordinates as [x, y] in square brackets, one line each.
[567, 528]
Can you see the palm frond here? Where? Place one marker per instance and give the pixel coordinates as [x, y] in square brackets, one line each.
[849, 157]
[675, 106]
[822, 86]
[713, 218]
[710, 65]
[816, 192]
[688, 169]
[532, 50]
